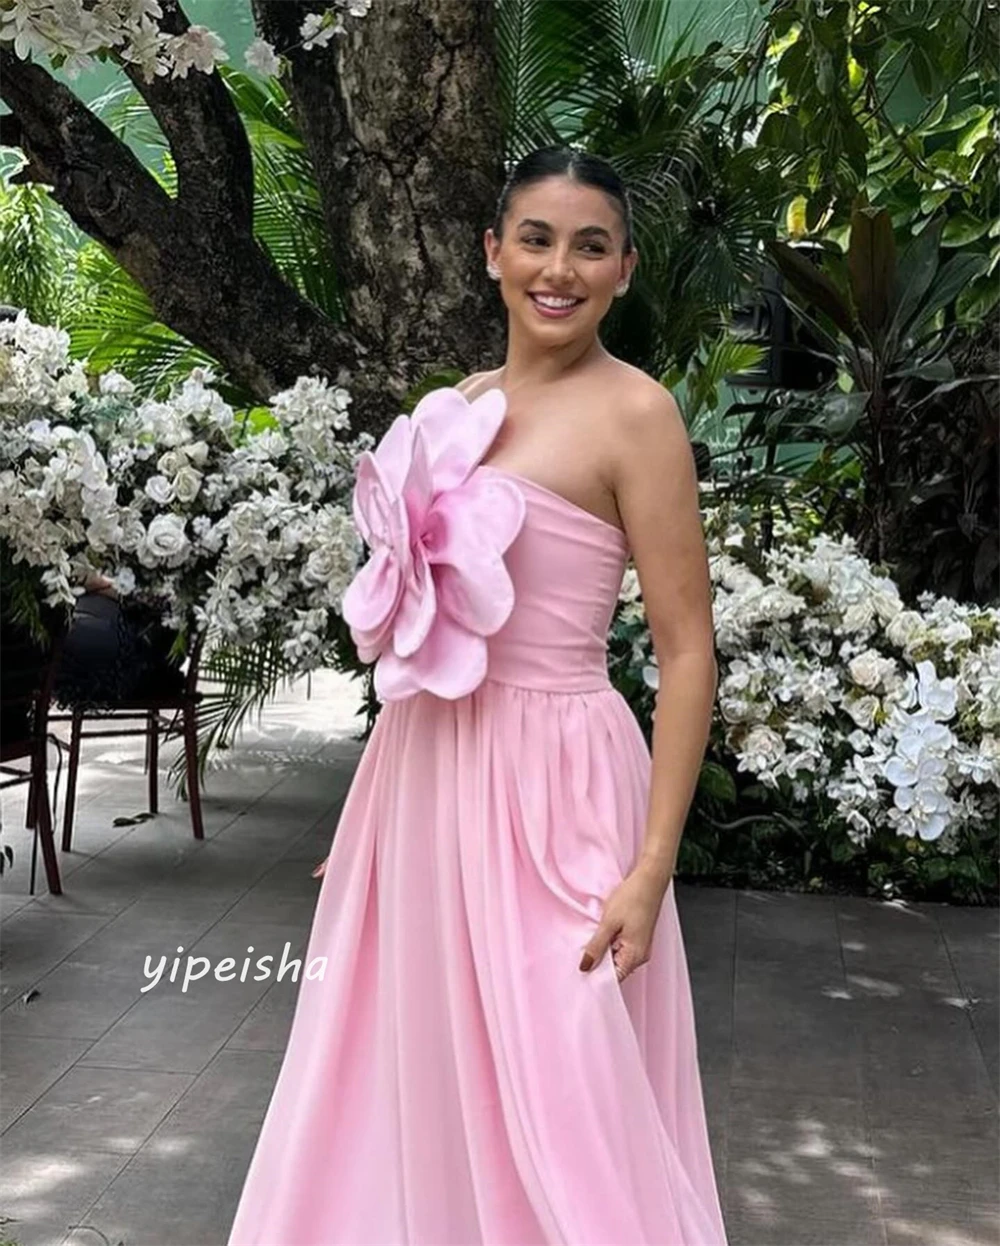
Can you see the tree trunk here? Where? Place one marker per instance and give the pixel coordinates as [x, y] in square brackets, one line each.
[401, 119]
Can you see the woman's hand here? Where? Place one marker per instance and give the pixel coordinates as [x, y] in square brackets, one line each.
[95, 583]
[628, 921]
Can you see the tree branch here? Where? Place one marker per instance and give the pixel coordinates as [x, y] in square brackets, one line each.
[93, 174]
[206, 136]
[207, 279]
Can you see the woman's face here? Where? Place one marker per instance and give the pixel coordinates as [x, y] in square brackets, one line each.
[565, 240]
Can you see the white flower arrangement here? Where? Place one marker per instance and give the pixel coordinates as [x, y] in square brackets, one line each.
[243, 526]
[830, 688]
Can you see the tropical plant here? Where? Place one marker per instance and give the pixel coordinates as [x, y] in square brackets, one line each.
[197, 254]
[879, 320]
[856, 742]
[899, 99]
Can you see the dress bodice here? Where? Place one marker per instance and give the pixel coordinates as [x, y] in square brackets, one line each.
[566, 565]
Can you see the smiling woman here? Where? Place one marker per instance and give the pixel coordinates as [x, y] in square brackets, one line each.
[490, 1058]
[565, 267]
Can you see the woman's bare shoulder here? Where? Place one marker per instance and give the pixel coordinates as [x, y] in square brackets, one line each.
[635, 388]
[476, 381]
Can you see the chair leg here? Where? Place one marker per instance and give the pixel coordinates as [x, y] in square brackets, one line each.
[191, 761]
[31, 808]
[152, 759]
[74, 761]
[43, 812]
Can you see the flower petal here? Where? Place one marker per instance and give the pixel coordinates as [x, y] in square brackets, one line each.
[492, 504]
[370, 601]
[469, 529]
[394, 453]
[451, 663]
[416, 608]
[380, 513]
[418, 488]
[458, 432]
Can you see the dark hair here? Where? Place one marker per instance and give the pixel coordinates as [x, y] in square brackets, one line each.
[583, 167]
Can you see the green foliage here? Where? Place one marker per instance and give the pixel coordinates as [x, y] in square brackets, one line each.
[64, 278]
[888, 325]
[36, 248]
[606, 77]
[841, 73]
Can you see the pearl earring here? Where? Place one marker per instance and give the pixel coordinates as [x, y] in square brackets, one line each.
[493, 272]
[621, 290]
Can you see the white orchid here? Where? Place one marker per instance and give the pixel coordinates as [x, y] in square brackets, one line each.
[890, 713]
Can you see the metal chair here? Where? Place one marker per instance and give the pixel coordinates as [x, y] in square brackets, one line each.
[181, 718]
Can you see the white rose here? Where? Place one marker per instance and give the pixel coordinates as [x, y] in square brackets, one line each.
[887, 604]
[170, 462]
[187, 482]
[863, 710]
[160, 490]
[954, 632]
[762, 748]
[905, 628]
[866, 669]
[197, 452]
[858, 616]
[165, 538]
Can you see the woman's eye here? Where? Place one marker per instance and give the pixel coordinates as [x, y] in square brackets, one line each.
[594, 247]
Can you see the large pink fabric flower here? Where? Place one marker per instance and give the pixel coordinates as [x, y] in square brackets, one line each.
[435, 585]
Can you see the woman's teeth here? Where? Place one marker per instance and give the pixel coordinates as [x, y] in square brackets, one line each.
[554, 306]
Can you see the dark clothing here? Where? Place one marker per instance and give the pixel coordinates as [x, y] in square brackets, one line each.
[114, 653]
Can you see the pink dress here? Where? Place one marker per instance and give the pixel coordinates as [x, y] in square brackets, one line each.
[454, 1077]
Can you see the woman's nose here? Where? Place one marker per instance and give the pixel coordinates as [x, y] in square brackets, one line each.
[560, 265]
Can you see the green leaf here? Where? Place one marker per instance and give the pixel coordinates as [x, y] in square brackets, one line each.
[963, 228]
[971, 135]
[936, 869]
[923, 75]
[716, 782]
[841, 412]
[782, 132]
[951, 280]
[917, 266]
[928, 370]
[974, 304]
[871, 262]
[813, 284]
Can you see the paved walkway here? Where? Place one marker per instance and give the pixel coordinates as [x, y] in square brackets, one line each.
[849, 1048]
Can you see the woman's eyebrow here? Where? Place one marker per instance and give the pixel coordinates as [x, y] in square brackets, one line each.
[586, 229]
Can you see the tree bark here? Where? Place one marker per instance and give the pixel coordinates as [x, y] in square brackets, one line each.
[401, 119]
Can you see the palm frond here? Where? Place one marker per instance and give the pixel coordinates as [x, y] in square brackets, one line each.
[35, 250]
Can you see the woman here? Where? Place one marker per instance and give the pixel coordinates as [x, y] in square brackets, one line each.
[502, 1047]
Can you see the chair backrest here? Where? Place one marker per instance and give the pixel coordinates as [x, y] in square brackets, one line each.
[27, 675]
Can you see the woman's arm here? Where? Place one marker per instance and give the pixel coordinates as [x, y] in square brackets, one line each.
[656, 490]
[95, 583]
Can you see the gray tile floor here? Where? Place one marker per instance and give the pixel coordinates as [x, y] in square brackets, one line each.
[849, 1049]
